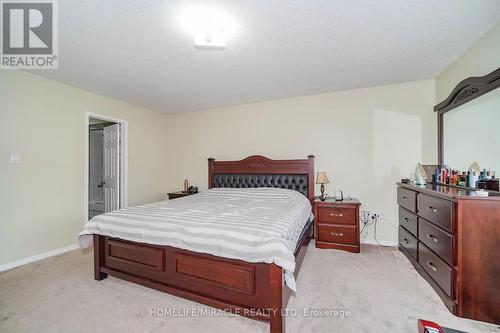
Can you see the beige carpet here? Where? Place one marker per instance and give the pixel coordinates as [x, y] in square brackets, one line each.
[378, 290]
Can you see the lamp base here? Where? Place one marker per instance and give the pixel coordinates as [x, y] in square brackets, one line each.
[322, 196]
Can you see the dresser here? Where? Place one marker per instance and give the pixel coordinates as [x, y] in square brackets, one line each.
[336, 224]
[452, 238]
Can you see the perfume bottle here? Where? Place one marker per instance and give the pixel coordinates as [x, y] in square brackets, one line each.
[437, 175]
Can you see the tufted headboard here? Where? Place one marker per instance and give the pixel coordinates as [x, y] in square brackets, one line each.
[259, 171]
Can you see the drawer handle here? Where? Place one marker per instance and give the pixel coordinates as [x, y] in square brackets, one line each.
[338, 234]
[406, 241]
[406, 219]
[431, 265]
[336, 215]
[433, 209]
[433, 238]
[405, 198]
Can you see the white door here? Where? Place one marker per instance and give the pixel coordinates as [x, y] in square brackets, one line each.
[111, 167]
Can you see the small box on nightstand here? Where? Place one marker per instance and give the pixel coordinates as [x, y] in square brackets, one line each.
[336, 224]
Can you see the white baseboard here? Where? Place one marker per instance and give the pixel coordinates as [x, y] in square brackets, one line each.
[380, 242]
[37, 257]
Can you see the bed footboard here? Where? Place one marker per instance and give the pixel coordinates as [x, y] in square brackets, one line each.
[250, 289]
[254, 290]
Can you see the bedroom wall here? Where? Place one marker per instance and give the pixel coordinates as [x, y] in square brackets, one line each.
[366, 140]
[41, 199]
[480, 59]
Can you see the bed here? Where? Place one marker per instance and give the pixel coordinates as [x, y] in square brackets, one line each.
[254, 287]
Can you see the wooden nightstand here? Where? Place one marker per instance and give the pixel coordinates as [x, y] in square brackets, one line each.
[179, 194]
[336, 224]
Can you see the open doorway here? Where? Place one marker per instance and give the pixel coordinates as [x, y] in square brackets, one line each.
[105, 165]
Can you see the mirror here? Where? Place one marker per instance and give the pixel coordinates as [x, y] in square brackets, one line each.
[469, 124]
[471, 132]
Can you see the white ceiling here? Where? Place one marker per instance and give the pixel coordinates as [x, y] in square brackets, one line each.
[140, 52]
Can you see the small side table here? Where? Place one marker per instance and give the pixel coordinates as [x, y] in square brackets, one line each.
[336, 224]
[178, 194]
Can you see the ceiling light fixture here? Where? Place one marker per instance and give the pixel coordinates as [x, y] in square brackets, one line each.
[208, 28]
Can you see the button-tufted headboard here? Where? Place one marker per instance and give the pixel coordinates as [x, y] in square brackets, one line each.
[259, 171]
[293, 182]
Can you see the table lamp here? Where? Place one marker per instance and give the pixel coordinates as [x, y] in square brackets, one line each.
[322, 179]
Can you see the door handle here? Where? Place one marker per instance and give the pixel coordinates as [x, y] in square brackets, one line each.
[431, 265]
[433, 238]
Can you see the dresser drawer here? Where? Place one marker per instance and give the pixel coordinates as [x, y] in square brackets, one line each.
[337, 215]
[437, 211]
[407, 241]
[439, 271]
[407, 199]
[337, 234]
[437, 240]
[408, 220]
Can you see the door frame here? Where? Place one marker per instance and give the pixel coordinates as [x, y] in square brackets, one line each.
[123, 187]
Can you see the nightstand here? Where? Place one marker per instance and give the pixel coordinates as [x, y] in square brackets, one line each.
[336, 224]
[179, 194]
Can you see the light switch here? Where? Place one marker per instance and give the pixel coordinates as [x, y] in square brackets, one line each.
[15, 158]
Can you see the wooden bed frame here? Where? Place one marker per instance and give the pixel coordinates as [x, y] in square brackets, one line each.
[254, 290]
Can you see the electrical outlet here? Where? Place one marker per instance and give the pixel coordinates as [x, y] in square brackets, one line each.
[365, 216]
[370, 217]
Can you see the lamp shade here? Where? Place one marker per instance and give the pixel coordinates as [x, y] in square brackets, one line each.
[322, 178]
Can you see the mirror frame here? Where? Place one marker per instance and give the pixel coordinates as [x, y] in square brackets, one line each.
[464, 92]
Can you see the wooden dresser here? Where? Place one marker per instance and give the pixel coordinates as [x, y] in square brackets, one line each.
[452, 238]
[336, 224]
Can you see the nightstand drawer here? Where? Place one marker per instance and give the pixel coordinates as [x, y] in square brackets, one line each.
[337, 234]
[337, 215]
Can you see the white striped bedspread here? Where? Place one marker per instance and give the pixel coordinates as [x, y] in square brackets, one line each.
[254, 225]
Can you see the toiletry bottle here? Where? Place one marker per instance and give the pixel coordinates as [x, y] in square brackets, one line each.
[469, 179]
[461, 179]
[437, 174]
[475, 179]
